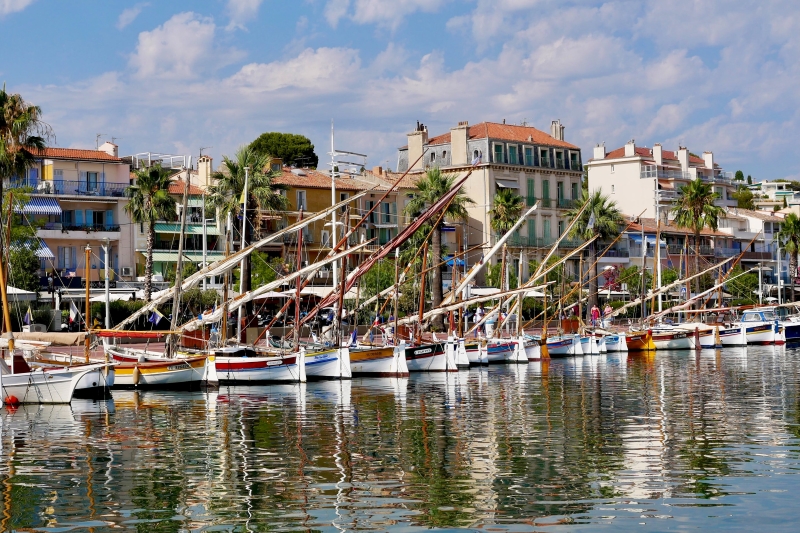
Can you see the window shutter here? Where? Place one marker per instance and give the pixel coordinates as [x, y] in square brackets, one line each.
[61, 257]
[89, 217]
[109, 217]
[79, 217]
[74, 254]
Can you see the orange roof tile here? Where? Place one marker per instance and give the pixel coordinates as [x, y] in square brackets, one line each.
[313, 179]
[177, 187]
[73, 153]
[650, 227]
[642, 151]
[507, 132]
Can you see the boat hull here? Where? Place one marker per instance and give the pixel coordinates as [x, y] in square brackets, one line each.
[387, 361]
[500, 352]
[328, 364]
[44, 385]
[763, 333]
[173, 374]
[672, 340]
[639, 341]
[251, 370]
[616, 343]
[561, 346]
[428, 358]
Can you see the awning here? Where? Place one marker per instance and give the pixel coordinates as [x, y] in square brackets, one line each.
[163, 257]
[458, 262]
[385, 226]
[197, 257]
[40, 206]
[39, 247]
[195, 202]
[651, 239]
[507, 184]
[191, 229]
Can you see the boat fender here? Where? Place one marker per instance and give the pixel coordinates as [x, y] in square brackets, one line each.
[12, 401]
[136, 375]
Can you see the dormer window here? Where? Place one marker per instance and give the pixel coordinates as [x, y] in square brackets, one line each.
[513, 155]
[498, 153]
[433, 157]
[544, 157]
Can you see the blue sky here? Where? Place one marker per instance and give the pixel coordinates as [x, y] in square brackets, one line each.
[179, 75]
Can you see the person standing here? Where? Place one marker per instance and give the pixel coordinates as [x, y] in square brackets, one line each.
[595, 314]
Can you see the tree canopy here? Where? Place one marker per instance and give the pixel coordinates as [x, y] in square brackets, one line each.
[739, 176]
[292, 148]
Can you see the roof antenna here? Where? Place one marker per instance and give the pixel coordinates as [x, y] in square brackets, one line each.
[97, 140]
[204, 148]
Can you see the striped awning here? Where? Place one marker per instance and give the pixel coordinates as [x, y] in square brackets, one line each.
[39, 247]
[160, 256]
[197, 257]
[40, 206]
[191, 229]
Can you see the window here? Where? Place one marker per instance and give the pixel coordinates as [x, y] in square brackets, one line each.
[612, 189]
[433, 157]
[573, 161]
[371, 218]
[612, 169]
[387, 217]
[301, 200]
[559, 159]
[98, 218]
[444, 155]
[91, 181]
[67, 217]
[575, 191]
[342, 197]
[546, 234]
[544, 157]
[58, 174]
[531, 230]
[498, 153]
[560, 228]
[528, 156]
[546, 189]
[513, 155]
[475, 155]
[325, 235]
[531, 194]
[560, 190]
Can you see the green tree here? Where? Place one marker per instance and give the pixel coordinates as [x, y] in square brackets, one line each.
[293, 149]
[788, 238]
[739, 176]
[749, 179]
[506, 209]
[149, 201]
[785, 205]
[669, 275]
[744, 198]
[22, 267]
[695, 210]
[742, 287]
[601, 218]
[429, 189]
[263, 195]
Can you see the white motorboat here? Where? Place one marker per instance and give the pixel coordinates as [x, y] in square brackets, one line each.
[42, 385]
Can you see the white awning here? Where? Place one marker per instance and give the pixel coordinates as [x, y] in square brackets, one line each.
[507, 184]
[41, 206]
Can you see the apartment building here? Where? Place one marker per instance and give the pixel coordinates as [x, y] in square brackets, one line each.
[636, 177]
[78, 198]
[538, 166]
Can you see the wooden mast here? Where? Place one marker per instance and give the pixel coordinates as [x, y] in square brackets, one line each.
[87, 269]
[422, 293]
[396, 339]
[299, 263]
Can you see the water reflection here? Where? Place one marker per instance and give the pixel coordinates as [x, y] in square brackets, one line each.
[612, 441]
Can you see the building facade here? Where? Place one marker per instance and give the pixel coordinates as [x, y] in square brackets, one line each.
[538, 166]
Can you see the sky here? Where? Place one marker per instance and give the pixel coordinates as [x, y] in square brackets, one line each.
[178, 76]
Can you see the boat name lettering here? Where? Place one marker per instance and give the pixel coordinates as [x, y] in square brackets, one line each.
[180, 366]
[422, 351]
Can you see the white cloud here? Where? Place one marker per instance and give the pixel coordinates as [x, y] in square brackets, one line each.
[241, 12]
[179, 49]
[385, 13]
[13, 6]
[128, 15]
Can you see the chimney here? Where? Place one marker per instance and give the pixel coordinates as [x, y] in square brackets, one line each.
[630, 148]
[377, 171]
[204, 171]
[416, 144]
[459, 137]
[109, 148]
[600, 151]
[683, 158]
[557, 130]
[708, 157]
[658, 155]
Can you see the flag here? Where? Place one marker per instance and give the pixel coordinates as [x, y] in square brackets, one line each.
[477, 159]
[73, 312]
[28, 318]
[354, 338]
[155, 317]
[241, 198]
[590, 225]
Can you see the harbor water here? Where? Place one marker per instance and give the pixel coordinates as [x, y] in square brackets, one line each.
[619, 442]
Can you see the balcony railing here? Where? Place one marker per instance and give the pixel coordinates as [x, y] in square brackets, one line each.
[652, 171]
[574, 165]
[674, 248]
[726, 252]
[61, 187]
[530, 242]
[565, 203]
[617, 252]
[546, 202]
[530, 201]
[87, 228]
[570, 243]
[560, 163]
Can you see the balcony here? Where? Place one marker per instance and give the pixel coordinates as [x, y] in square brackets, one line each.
[55, 230]
[574, 165]
[617, 252]
[726, 252]
[546, 202]
[570, 243]
[564, 203]
[530, 242]
[757, 256]
[530, 201]
[653, 171]
[560, 164]
[71, 188]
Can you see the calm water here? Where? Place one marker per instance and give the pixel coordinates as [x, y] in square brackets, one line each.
[675, 441]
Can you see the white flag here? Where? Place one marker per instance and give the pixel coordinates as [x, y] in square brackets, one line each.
[590, 225]
[73, 311]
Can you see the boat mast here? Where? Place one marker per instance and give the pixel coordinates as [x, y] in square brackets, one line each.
[242, 242]
[422, 293]
[86, 340]
[396, 339]
[299, 263]
[172, 343]
[519, 297]
[226, 282]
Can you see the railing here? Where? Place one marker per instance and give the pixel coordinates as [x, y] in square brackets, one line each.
[544, 162]
[546, 202]
[574, 165]
[725, 252]
[530, 201]
[565, 203]
[757, 255]
[560, 163]
[674, 248]
[87, 228]
[617, 252]
[570, 243]
[652, 171]
[530, 242]
[61, 187]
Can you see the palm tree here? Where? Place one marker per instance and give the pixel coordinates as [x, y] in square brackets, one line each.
[506, 209]
[695, 210]
[148, 201]
[789, 239]
[601, 218]
[262, 194]
[429, 189]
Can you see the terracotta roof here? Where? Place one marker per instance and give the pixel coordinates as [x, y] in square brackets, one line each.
[387, 179]
[650, 227]
[761, 215]
[505, 132]
[76, 154]
[643, 151]
[177, 186]
[313, 179]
